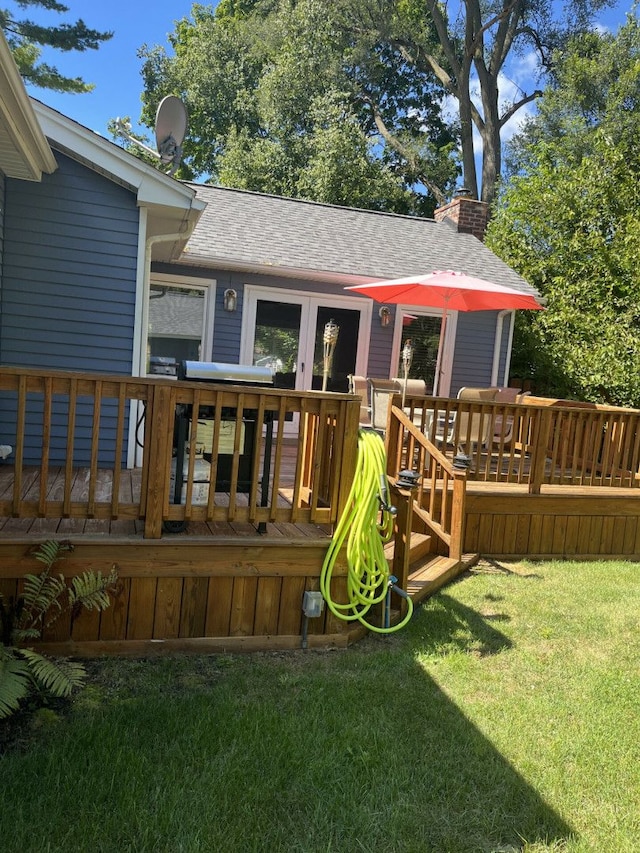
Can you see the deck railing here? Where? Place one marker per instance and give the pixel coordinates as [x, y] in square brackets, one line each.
[436, 502]
[80, 440]
[537, 442]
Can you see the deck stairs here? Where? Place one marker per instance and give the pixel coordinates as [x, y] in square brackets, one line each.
[428, 571]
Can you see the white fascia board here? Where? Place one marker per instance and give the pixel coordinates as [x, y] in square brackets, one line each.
[19, 123]
[151, 186]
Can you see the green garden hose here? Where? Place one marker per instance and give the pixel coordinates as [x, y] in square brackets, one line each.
[366, 524]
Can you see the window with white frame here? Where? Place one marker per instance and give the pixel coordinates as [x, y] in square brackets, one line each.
[179, 326]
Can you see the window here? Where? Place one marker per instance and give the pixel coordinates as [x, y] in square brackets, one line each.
[178, 324]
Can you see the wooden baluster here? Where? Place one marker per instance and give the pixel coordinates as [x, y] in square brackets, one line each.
[542, 433]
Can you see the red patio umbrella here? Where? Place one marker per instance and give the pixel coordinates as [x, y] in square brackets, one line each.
[448, 290]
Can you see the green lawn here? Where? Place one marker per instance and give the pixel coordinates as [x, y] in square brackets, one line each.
[505, 717]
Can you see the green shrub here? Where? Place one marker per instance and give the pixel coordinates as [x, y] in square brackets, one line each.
[46, 596]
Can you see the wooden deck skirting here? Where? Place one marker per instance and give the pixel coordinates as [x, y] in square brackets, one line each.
[562, 522]
[556, 480]
[214, 594]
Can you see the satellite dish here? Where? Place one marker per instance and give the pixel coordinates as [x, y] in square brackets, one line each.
[171, 126]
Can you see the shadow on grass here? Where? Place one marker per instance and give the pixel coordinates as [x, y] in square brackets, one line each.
[476, 801]
[453, 626]
[303, 752]
[489, 565]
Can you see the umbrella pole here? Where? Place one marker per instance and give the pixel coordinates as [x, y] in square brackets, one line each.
[443, 334]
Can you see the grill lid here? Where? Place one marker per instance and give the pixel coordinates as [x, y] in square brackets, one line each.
[218, 371]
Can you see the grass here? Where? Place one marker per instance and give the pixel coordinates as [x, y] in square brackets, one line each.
[504, 718]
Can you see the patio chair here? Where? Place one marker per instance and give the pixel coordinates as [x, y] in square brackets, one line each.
[422, 417]
[380, 393]
[444, 432]
[500, 434]
[359, 386]
[474, 428]
[415, 387]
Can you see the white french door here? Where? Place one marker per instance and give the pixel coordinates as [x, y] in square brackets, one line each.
[284, 330]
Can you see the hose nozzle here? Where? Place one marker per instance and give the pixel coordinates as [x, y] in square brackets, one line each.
[383, 497]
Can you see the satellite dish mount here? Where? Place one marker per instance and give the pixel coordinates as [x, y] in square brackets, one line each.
[170, 130]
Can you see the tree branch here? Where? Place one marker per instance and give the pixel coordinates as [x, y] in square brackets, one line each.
[406, 153]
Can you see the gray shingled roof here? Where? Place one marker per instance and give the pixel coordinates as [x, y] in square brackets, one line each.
[242, 230]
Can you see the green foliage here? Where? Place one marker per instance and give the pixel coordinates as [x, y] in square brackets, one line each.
[14, 682]
[259, 76]
[44, 599]
[284, 98]
[569, 222]
[26, 38]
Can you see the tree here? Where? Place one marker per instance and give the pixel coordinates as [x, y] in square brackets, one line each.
[26, 39]
[569, 222]
[275, 105]
[396, 63]
[473, 42]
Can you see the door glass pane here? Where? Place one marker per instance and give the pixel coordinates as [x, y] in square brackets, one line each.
[176, 322]
[277, 339]
[344, 354]
[424, 334]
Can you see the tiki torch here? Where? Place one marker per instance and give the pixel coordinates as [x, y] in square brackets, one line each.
[407, 358]
[329, 340]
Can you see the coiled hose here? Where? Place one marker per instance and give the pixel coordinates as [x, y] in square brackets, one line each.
[367, 521]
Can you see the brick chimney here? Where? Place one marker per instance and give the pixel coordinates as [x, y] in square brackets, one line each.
[469, 215]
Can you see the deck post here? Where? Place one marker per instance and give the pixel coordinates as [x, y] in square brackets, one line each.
[402, 540]
[456, 545]
[160, 414]
[349, 457]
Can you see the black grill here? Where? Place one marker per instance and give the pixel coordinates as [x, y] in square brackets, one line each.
[220, 373]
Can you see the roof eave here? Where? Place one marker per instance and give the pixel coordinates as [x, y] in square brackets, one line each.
[172, 206]
[24, 150]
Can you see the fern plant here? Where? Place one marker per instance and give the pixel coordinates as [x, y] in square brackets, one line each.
[46, 596]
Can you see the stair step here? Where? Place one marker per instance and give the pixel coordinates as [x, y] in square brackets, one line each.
[435, 573]
[419, 547]
[431, 576]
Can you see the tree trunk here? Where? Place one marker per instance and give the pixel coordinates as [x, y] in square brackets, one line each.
[490, 135]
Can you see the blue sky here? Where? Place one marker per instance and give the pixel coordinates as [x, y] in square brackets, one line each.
[115, 67]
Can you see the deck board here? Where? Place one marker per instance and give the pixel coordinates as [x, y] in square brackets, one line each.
[129, 489]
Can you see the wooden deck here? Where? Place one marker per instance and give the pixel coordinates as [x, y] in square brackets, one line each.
[562, 483]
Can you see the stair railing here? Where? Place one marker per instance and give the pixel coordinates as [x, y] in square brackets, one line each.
[437, 498]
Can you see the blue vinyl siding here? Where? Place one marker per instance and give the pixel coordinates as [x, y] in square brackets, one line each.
[227, 325]
[2, 185]
[68, 289]
[473, 357]
[69, 272]
[2, 191]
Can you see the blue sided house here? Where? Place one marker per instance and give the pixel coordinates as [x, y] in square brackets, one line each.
[109, 265]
